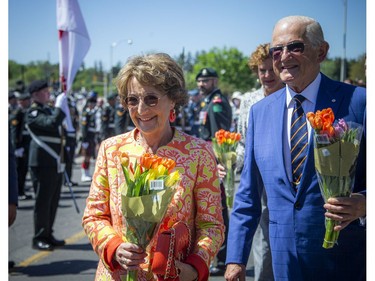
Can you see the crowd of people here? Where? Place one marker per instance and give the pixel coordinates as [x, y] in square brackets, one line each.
[92, 120]
[45, 147]
[277, 216]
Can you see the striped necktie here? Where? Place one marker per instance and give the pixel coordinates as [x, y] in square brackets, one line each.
[298, 139]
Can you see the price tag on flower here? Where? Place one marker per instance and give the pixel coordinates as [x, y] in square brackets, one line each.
[224, 146]
[336, 148]
[156, 185]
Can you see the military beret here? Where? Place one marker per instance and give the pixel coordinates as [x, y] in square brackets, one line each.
[20, 86]
[22, 96]
[206, 72]
[37, 85]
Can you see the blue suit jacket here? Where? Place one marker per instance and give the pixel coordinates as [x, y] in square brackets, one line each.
[296, 218]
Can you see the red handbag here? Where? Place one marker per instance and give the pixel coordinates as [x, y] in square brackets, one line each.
[173, 244]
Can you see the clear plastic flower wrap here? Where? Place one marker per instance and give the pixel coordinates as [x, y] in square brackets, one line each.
[336, 148]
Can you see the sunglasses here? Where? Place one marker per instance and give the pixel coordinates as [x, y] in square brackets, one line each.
[149, 100]
[294, 48]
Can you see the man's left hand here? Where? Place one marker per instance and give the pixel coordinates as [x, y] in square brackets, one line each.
[346, 209]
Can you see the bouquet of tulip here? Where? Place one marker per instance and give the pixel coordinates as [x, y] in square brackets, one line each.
[224, 146]
[145, 196]
[336, 148]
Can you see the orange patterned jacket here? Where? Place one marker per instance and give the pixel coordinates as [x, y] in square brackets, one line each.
[197, 201]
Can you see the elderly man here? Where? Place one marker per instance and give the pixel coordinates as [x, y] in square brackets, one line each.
[296, 207]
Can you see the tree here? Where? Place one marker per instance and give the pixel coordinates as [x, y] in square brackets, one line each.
[357, 69]
[331, 68]
[186, 61]
[30, 72]
[231, 65]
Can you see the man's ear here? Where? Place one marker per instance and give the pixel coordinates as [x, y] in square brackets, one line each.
[323, 51]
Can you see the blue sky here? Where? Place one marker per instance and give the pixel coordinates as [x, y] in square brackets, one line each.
[171, 25]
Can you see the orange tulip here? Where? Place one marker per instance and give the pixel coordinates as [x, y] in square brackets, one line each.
[147, 160]
[328, 117]
[227, 134]
[238, 137]
[322, 120]
[219, 134]
[168, 163]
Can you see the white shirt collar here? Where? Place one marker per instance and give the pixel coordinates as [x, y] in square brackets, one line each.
[310, 92]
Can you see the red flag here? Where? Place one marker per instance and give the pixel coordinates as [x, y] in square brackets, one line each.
[74, 40]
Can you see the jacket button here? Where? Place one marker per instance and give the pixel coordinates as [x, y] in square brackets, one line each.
[297, 205]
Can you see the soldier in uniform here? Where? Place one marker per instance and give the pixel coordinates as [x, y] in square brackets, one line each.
[107, 128]
[216, 114]
[45, 124]
[12, 102]
[98, 121]
[123, 123]
[88, 131]
[20, 138]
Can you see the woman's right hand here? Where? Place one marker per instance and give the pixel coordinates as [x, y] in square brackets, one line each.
[221, 171]
[130, 256]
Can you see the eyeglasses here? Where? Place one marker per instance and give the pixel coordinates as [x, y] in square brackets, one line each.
[149, 100]
[294, 48]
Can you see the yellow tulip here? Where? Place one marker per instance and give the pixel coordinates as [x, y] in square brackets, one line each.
[172, 179]
[161, 170]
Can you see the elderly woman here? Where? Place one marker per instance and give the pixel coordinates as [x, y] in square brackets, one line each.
[152, 87]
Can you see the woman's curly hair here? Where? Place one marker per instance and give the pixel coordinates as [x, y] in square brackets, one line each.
[158, 70]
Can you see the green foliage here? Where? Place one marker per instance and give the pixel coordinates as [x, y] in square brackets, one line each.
[230, 63]
[186, 61]
[331, 68]
[31, 72]
[357, 69]
[91, 78]
[231, 66]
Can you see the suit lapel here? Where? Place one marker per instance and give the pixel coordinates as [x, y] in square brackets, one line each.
[276, 110]
[328, 95]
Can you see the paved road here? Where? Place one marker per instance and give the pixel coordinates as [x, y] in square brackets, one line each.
[76, 261]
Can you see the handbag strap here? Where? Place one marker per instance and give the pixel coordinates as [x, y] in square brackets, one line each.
[170, 255]
[171, 251]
